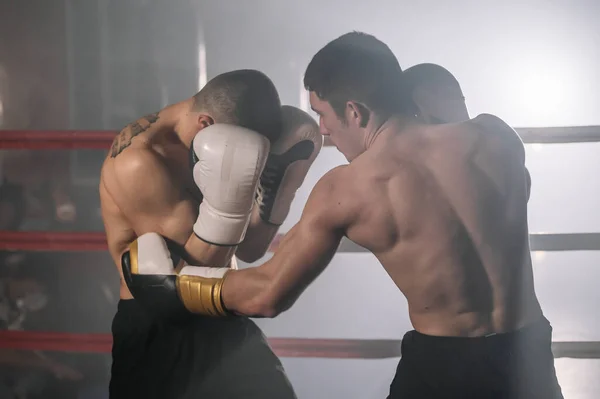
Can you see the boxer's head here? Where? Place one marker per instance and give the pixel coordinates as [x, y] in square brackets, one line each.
[436, 94]
[354, 83]
[245, 98]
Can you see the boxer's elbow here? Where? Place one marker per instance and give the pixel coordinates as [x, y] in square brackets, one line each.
[273, 302]
[267, 308]
[262, 310]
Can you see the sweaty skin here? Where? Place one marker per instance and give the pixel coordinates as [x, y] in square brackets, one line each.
[146, 185]
[444, 210]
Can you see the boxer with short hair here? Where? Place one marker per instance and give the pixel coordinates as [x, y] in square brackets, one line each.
[442, 207]
[436, 93]
[191, 186]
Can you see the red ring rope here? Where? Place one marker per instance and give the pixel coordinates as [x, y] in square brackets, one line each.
[63, 241]
[55, 139]
[102, 139]
[284, 347]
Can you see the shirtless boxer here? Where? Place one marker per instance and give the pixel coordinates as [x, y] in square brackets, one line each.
[204, 212]
[436, 93]
[442, 207]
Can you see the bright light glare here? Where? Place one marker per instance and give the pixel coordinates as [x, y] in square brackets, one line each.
[304, 100]
[201, 66]
[542, 96]
[539, 256]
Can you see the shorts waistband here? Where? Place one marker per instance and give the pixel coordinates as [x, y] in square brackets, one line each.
[539, 329]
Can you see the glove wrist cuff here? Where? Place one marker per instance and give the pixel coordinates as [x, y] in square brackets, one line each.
[201, 292]
[220, 229]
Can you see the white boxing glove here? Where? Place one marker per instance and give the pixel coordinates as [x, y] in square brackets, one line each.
[229, 160]
[289, 161]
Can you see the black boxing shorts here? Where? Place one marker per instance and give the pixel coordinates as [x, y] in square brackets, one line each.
[515, 365]
[196, 358]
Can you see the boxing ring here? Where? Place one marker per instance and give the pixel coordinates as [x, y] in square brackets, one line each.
[284, 347]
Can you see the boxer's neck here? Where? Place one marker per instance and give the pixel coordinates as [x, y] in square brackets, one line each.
[182, 119]
[388, 127]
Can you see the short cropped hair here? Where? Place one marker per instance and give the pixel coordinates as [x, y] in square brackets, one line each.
[428, 75]
[357, 67]
[245, 98]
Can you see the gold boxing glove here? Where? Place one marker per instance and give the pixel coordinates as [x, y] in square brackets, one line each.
[149, 269]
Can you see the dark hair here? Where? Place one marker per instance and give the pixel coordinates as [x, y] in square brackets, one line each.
[428, 75]
[357, 67]
[245, 98]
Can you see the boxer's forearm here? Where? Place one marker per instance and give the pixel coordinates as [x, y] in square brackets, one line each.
[258, 238]
[201, 253]
[247, 292]
[273, 287]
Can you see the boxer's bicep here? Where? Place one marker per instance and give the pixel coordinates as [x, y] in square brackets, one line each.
[303, 254]
[306, 250]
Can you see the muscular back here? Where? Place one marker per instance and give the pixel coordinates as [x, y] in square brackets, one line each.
[445, 211]
[146, 186]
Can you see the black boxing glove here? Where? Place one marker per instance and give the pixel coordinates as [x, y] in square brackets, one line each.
[149, 269]
[288, 163]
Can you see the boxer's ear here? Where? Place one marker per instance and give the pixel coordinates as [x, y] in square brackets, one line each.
[205, 121]
[357, 114]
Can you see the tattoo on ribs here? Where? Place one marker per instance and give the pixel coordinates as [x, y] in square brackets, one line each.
[123, 139]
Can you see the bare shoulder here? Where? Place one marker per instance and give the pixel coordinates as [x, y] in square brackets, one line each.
[494, 124]
[499, 131]
[127, 136]
[131, 164]
[334, 183]
[330, 199]
[135, 176]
